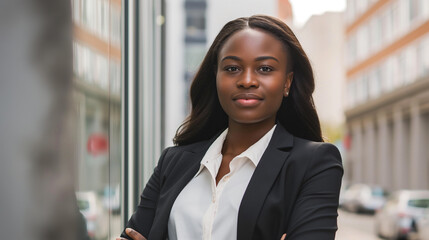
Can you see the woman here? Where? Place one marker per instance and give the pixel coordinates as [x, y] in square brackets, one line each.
[249, 161]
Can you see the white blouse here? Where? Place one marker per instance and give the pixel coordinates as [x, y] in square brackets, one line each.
[206, 211]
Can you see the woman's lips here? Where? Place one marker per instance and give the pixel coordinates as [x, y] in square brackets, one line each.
[247, 99]
[247, 102]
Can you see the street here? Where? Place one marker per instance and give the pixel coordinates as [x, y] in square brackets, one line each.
[355, 227]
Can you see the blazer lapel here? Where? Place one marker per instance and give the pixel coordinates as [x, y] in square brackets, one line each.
[189, 164]
[262, 179]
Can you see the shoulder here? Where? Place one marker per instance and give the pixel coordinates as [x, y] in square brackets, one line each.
[310, 147]
[172, 153]
[316, 156]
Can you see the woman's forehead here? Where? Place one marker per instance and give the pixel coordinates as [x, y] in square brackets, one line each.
[252, 41]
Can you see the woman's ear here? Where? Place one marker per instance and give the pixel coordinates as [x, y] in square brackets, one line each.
[288, 83]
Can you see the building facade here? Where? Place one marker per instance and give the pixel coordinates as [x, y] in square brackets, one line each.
[97, 91]
[322, 38]
[387, 93]
[186, 46]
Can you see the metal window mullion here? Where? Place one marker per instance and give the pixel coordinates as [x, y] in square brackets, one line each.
[129, 160]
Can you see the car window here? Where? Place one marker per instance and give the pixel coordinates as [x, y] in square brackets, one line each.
[419, 203]
[379, 192]
[83, 205]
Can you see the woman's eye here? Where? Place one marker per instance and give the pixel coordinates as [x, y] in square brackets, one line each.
[265, 69]
[231, 69]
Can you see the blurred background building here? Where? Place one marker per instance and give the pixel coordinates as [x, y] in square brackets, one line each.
[387, 93]
[97, 91]
[97, 103]
[322, 38]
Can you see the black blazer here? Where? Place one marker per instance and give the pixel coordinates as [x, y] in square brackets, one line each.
[294, 190]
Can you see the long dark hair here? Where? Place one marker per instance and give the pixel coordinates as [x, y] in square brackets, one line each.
[297, 112]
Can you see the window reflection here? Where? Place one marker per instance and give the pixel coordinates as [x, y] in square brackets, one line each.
[97, 100]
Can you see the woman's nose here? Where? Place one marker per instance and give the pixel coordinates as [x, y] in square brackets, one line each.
[247, 80]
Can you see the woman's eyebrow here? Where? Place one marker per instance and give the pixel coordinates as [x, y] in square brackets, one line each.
[231, 57]
[261, 58]
[265, 58]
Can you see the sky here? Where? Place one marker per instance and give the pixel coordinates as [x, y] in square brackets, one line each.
[303, 9]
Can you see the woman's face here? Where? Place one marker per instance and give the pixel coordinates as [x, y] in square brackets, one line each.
[251, 77]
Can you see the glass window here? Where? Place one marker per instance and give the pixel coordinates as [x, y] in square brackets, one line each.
[395, 19]
[420, 59]
[351, 90]
[98, 105]
[350, 10]
[378, 79]
[362, 42]
[414, 9]
[395, 71]
[195, 22]
[375, 82]
[402, 68]
[352, 50]
[365, 87]
[194, 54]
[388, 75]
[388, 24]
[419, 203]
[359, 90]
[411, 63]
[424, 57]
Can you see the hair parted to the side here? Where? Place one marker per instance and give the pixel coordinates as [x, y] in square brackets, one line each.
[297, 112]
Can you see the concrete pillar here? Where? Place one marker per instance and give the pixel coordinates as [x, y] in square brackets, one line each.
[369, 152]
[418, 165]
[357, 153]
[37, 199]
[384, 153]
[399, 150]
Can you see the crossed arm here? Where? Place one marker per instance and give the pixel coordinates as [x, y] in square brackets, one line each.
[137, 236]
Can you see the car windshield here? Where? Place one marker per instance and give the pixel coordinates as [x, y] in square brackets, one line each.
[379, 192]
[419, 203]
[82, 204]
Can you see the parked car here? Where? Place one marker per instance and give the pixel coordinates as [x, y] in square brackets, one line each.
[423, 226]
[344, 187]
[363, 198]
[111, 199]
[398, 218]
[95, 216]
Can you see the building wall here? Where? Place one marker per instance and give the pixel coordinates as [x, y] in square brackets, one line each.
[219, 12]
[186, 38]
[175, 85]
[387, 91]
[97, 90]
[323, 40]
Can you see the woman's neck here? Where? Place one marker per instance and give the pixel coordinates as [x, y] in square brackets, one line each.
[241, 136]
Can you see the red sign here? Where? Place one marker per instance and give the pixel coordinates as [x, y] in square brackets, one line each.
[347, 142]
[97, 144]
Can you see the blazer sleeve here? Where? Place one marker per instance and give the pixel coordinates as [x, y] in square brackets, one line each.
[315, 212]
[142, 218]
